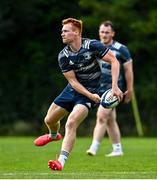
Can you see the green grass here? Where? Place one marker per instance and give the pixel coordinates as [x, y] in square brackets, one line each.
[20, 159]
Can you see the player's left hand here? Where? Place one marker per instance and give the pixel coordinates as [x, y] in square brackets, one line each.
[127, 96]
[117, 92]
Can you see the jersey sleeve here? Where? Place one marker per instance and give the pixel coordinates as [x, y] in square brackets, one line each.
[99, 48]
[125, 54]
[64, 63]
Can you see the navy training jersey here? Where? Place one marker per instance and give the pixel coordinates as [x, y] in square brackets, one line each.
[123, 55]
[84, 62]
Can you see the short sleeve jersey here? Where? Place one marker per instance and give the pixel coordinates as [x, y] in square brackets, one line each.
[123, 55]
[84, 62]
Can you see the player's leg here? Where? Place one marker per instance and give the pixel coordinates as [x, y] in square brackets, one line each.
[52, 120]
[114, 135]
[103, 115]
[53, 117]
[78, 114]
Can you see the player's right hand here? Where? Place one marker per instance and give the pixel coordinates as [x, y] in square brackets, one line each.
[95, 97]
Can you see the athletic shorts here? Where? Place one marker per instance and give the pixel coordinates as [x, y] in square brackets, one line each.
[69, 98]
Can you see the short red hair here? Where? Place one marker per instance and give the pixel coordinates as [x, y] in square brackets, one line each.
[76, 23]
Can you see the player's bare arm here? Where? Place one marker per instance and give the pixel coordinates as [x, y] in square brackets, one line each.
[128, 69]
[70, 76]
[109, 57]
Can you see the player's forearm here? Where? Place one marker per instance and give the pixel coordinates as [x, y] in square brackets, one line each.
[129, 77]
[129, 81]
[110, 58]
[115, 73]
[80, 88]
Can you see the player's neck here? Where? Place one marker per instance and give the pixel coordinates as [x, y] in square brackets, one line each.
[109, 43]
[76, 45]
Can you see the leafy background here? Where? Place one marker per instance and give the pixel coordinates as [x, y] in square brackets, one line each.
[29, 44]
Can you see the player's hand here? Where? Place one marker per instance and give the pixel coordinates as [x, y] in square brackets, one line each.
[127, 96]
[95, 97]
[117, 92]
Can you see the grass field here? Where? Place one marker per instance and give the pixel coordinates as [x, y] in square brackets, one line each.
[20, 159]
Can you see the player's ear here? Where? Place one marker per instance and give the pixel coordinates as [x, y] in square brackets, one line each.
[113, 33]
[77, 32]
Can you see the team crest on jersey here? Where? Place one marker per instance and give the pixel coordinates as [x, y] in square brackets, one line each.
[71, 62]
[87, 55]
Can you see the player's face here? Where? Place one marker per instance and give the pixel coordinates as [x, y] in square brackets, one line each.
[106, 34]
[68, 34]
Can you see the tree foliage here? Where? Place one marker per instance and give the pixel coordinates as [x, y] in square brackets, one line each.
[136, 27]
[30, 41]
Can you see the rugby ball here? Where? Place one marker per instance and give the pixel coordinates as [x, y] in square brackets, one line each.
[109, 101]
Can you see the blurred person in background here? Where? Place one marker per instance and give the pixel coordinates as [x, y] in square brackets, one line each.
[106, 118]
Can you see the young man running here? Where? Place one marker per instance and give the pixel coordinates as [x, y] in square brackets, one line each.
[79, 65]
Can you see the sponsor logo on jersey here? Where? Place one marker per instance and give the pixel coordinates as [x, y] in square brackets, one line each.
[71, 62]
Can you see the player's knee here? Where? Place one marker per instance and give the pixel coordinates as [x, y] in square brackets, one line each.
[101, 119]
[71, 124]
[47, 120]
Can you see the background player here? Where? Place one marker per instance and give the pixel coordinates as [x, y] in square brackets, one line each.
[106, 118]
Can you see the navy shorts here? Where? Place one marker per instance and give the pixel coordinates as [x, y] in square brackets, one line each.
[69, 98]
